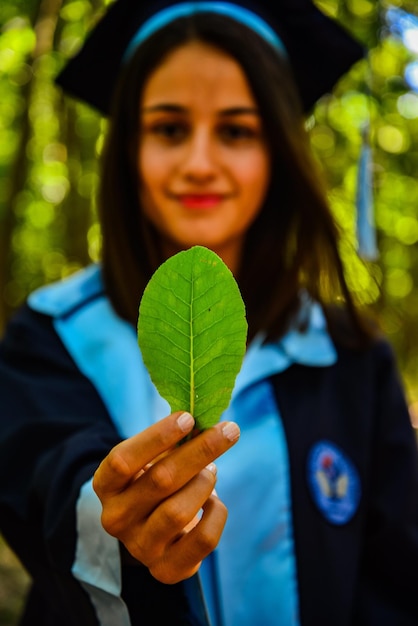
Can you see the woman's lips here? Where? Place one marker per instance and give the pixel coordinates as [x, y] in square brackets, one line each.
[200, 201]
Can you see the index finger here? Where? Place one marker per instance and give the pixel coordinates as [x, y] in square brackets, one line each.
[128, 458]
[172, 472]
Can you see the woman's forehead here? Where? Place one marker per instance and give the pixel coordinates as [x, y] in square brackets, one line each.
[197, 72]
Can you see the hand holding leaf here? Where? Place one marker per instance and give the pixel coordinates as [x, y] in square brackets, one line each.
[192, 333]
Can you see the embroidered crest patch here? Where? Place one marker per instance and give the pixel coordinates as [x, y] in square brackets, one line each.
[334, 482]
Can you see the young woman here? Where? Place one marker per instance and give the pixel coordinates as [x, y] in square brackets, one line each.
[116, 523]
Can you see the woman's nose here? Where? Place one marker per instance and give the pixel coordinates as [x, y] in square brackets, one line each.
[200, 157]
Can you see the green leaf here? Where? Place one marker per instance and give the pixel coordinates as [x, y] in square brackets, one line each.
[192, 333]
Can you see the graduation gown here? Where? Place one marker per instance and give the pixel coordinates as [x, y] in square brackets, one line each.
[353, 474]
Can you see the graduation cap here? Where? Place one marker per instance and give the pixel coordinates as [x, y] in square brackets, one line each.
[319, 50]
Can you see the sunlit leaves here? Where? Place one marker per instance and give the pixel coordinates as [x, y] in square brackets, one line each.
[48, 152]
[75, 11]
[392, 139]
[407, 105]
[377, 90]
[363, 8]
[16, 42]
[74, 22]
[399, 283]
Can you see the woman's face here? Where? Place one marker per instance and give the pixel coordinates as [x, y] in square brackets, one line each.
[203, 162]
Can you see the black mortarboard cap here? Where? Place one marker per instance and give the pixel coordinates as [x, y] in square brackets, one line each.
[320, 50]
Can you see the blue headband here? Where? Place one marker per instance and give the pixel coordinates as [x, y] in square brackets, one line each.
[185, 9]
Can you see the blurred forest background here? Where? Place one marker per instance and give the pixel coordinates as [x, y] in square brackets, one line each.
[50, 163]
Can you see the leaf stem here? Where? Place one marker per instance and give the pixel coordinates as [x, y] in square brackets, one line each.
[192, 398]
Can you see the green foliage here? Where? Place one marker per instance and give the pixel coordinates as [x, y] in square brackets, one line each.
[192, 333]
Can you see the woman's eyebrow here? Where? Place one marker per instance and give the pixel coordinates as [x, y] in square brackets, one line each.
[177, 108]
[165, 107]
[239, 110]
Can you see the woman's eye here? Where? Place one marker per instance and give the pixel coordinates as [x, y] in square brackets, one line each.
[170, 131]
[237, 132]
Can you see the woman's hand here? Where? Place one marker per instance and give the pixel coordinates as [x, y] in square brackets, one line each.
[152, 492]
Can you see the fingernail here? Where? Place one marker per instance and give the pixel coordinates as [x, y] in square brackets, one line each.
[212, 468]
[231, 431]
[185, 422]
[214, 493]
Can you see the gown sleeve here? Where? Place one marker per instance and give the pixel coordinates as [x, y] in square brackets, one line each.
[54, 431]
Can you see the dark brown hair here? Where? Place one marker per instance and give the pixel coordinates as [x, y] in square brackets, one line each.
[293, 243]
